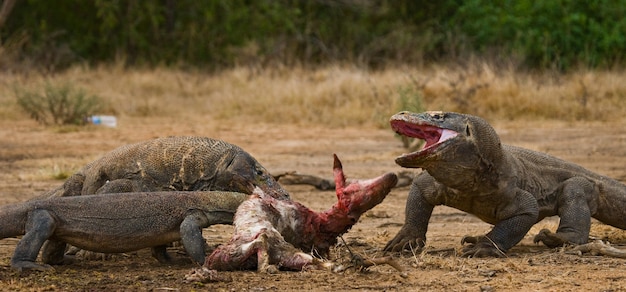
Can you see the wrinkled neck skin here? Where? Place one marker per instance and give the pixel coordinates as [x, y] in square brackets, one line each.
[471, 172]
[472, 163]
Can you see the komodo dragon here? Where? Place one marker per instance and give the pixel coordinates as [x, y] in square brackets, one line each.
[467, 168]
[172, 164]
[168, 164]
[116, 222]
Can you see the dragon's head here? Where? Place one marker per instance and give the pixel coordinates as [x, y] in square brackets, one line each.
[454, 144]
[244, 173]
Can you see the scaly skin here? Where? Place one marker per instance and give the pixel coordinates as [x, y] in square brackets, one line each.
[115, 223]
[172, 164]
[466, 167]
[168, 164]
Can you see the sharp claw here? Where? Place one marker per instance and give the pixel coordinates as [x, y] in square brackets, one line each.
[541, 236]
[399, 247]
[389, 247]
[469, 239]
[394, 246]
[549, 239]
[480, 248]
[404, 241]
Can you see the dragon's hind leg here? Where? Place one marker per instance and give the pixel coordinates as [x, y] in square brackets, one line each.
[575, 204]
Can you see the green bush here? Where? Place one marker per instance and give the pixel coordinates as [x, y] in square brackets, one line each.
[218, 33]
[58, 105]
[558, 34]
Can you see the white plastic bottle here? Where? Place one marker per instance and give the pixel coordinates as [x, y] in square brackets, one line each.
[107, 121]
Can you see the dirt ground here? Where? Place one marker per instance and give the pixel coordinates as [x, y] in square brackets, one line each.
[31, 155]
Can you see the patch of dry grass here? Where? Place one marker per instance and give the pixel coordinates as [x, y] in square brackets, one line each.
[338, 96]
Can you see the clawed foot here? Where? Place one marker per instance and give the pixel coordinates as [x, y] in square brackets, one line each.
[549, 238]
[25, 265]
[161, 255]
[480, 247]
[405, 240]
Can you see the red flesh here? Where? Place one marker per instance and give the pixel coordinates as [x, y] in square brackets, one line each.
[283, 245]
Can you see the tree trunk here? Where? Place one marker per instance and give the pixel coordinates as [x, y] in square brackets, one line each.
[7, 6]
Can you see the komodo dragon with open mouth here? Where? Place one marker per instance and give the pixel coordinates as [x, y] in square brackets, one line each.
[466, 167]
[166, 164]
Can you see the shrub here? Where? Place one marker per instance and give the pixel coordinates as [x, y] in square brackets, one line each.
[549, 34]
[58, 105]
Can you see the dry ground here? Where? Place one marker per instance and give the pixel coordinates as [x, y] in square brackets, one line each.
[30, 155]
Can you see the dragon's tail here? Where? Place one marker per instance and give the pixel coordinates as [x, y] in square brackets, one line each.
[13, 219]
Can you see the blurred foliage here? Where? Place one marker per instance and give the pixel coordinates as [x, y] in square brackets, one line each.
[213, 34]
[58, 104]
[410, 98]
[557, 34]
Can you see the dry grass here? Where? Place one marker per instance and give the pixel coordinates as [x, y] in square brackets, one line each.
[32, 158]
[338, 96]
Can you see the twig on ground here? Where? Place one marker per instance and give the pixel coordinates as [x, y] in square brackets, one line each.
[293, 178]
[598, 247]
[446, 250]
[361, 263]
[405, 178]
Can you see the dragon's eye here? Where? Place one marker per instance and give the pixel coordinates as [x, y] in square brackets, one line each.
[467, 130]
[437, 116]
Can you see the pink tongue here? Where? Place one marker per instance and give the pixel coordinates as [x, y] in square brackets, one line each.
[444, 134]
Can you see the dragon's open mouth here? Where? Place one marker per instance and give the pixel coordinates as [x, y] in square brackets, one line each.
[433, 136]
